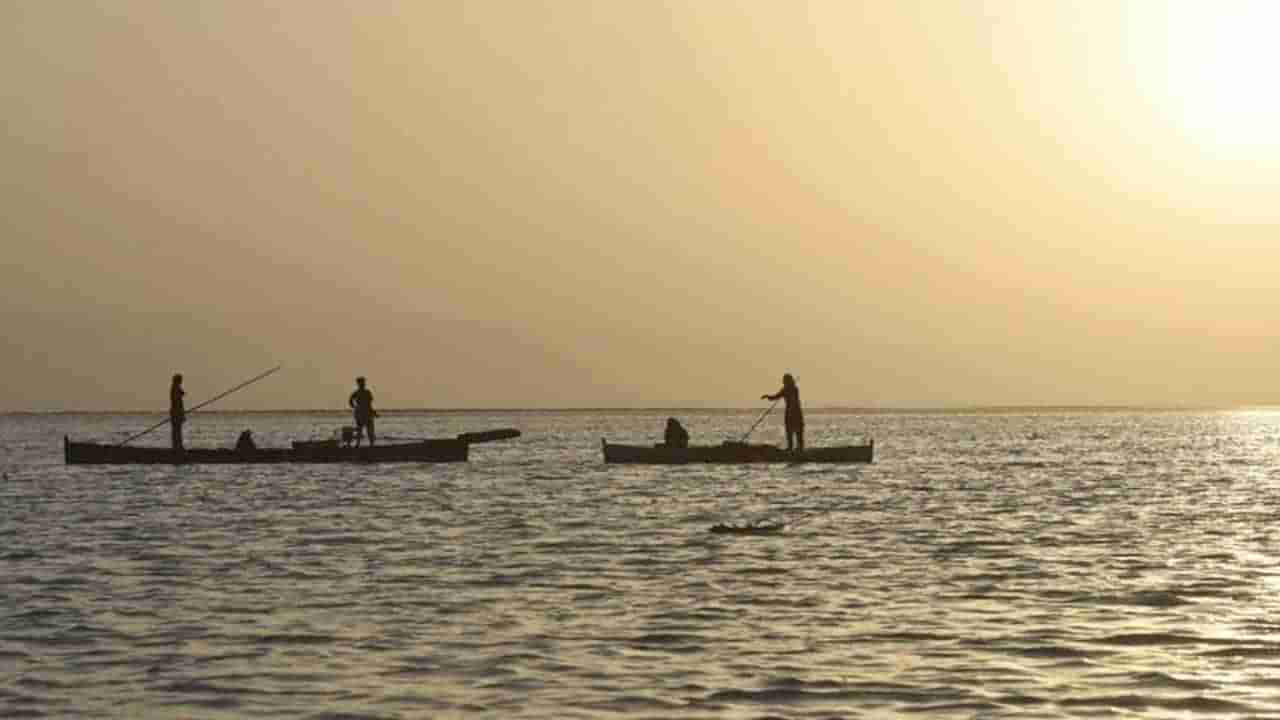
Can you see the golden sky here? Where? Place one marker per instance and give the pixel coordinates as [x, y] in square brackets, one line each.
[594, 203]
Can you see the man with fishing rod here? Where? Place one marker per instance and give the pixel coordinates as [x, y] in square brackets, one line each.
[178, 411]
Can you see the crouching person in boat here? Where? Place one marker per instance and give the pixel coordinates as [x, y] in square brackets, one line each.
[793, 419]
[675, 436]
[245, 442]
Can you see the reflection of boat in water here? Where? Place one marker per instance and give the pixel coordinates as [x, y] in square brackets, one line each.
[733, 452]
[306, 451]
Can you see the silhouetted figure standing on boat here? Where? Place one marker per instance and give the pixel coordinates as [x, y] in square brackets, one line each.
[361, 402]
[177, 410]
[794, 416]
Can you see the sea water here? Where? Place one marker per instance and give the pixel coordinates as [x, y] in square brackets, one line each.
[1029, 564]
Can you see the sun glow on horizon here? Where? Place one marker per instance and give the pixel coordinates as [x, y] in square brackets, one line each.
[1212, 71]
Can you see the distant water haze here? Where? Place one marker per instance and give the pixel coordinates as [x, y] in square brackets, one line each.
[576, 204]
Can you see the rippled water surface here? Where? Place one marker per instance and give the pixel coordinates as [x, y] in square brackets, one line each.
[997, 564]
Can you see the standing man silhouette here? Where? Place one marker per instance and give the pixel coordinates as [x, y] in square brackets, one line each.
[793, 419]
[361, 402]
[177, 410]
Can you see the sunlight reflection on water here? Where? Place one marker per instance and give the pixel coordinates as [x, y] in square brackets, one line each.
[993, 564]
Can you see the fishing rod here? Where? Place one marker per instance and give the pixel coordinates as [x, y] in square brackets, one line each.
[215, 398]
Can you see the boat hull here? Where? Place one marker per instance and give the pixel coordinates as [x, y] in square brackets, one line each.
[442, 450]
[733, 453]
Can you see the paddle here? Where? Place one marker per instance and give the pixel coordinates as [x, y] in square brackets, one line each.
[164, 422]
[489, 435]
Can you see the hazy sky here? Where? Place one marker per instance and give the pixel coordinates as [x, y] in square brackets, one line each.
[610, 203]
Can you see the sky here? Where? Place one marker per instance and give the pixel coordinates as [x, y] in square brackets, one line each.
[573, 203]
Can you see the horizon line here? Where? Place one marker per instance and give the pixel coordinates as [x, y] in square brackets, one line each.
[869, 409]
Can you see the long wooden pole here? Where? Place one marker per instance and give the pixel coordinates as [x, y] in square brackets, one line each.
[215, 398]
[758, 420]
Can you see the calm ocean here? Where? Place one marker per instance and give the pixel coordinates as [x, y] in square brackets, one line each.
[1028, 564]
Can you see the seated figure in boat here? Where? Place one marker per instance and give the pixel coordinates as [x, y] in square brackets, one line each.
[348, 435]
[675, 436]
[245, 442]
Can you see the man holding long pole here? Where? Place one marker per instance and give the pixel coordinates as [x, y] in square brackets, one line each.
[177, 412]
[794, 417]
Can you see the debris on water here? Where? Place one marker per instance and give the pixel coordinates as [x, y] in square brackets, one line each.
[761, 529]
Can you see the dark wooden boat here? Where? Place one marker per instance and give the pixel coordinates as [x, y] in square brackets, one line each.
[733, 452]
[306, 451]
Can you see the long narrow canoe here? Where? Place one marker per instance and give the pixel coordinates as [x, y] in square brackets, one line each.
[323, 451]
[731, 452]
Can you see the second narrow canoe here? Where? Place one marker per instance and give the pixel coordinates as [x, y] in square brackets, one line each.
[732, 452]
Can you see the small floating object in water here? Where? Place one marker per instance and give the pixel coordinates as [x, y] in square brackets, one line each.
[765, 529]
